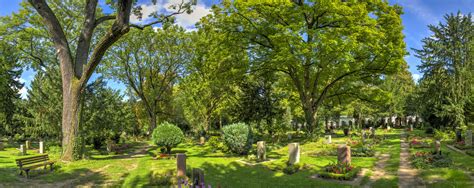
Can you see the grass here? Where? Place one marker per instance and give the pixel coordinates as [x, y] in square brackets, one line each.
[453, 176]
[222, 169]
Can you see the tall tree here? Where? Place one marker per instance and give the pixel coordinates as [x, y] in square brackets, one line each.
[447, 64]
[210, 83]
[322, 46]
[79, 53]
[10, 86]
[150, 62]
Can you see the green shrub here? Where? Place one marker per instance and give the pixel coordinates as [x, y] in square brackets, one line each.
[167, 135]
[444, 135]
[291, 169]
[216, 143]
[238, 138]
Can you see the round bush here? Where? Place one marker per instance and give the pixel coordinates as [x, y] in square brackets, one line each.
[167, 135]
[238, 138]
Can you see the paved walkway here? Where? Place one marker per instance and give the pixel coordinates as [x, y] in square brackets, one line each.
[407, 176]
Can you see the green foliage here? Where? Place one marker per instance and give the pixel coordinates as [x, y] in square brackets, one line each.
[217, 143]
[238, 137]
[444, 135]
[167, 135]
[427, 160]
[292, 168]
[9, 88]
[445, 90]
[280, 38]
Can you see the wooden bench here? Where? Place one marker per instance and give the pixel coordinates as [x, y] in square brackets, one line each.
[28, 163]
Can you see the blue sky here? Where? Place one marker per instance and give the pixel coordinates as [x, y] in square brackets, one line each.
[418, 14]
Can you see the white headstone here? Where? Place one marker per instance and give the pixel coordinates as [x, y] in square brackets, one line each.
[411, 127]
[328, 139]
[469, 138]
[294, 153]
[22, 149]
[27, 143]
[41, 147]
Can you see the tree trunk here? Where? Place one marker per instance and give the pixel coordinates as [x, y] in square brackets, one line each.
[309, 118]
[152, 117]
[70, 118]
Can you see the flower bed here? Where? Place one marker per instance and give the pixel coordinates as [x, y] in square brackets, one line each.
[430, 159]
[462, 146]
[415, 143]
[342, 171]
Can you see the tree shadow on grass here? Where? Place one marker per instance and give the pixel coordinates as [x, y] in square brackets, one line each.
[45, 178]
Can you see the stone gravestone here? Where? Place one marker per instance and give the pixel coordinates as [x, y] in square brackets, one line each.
[41, 148]
[27, 144]
[411, 127]
[458, 135]
[372, 132]
[261, 151]
[363, 136]
[22, 149]
[198, 177]
[469, 138]
[328, 139]
[294, 153]
[343, 154]
[202, 140]
[438, 146]
[388, 127]
[181, 164]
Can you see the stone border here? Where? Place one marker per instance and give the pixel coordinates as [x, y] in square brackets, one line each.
[253, 164]
[354, 182]
[456, 149]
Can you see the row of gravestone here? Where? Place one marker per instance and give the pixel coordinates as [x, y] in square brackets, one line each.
[24, 148]
[343, 157]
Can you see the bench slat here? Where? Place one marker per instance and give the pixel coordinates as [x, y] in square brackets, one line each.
[23, 163]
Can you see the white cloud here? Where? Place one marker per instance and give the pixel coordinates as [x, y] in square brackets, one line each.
[416, 77]
[417, 7]
[186, 21]
[189, 20]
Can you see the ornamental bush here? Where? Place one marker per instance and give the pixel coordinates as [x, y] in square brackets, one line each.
[167, 135]
[238, 138]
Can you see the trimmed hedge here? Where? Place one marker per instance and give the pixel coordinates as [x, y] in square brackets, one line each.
[238, 138]
[347, 176]
[167, 135]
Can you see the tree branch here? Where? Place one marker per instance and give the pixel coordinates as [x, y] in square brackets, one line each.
[57, 34]
[118, 29]
[84, 42]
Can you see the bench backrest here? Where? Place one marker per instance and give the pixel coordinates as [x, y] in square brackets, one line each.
[32, 160]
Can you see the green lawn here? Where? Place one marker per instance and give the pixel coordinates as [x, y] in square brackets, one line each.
[220, 169]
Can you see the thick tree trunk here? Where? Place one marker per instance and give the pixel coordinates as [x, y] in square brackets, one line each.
[152, 122]
[70, 118]
[309, 118]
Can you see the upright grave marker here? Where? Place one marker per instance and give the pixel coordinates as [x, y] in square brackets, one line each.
[469, 138]
[343, 154]
[181, 164]
[261, 151]
[41, 148]
[22, 149]
[328, 139]
[294, 153]
[27, 145]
